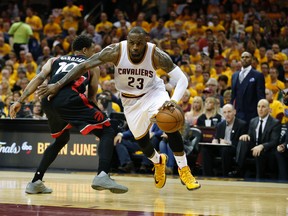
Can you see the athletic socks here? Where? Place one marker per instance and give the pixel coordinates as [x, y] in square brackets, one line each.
[156, 157]
[181, 161]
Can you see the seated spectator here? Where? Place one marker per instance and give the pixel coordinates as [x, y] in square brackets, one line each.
[5, 89]
[223, 84]
[184, 103]
[213, 85]
[125, 145]
[195, 111]
[5, 106]
[210, 112]
[277, 108]
[275, 84]
[104, 100]
[5, 49]
[37, 111]
[282, 159]
[46, 55]
[227, 96]
[51, 30]
[159, 31]
[6, 76]
[260, 142]
[227, 132]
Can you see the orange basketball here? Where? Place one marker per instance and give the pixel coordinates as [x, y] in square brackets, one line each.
[169, 121]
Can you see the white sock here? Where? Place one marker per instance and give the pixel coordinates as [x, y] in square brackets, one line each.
[156, 157]
[181, 161]
[102, 173]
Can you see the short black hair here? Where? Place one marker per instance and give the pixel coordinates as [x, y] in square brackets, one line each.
[138, 30]
[223, 78]
[80, 42]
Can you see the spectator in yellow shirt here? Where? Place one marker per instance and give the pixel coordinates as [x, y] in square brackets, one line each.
[170, 24]
[231, 52]
[5, 89]
[194, 54]
[276, 50]
[104, 73]
[182, 41]
[51, 30]
[197, 77]
[35, 22]
[104, 24]
[285, 68]
[186, 66]
[198, 30]
[237, 14]
[264, 68]
[216, 25]
[140, 21]
[6, 75]
[30, 65]
[255, 27]
[262, 55]
[5, 49]
[275, 85]
[71, 15]
[269, 56]
[277, 108]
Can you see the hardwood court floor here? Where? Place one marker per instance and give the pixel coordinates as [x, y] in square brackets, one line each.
[73, 195]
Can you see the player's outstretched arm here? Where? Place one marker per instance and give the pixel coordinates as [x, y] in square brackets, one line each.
[31, 88]
[108, 54]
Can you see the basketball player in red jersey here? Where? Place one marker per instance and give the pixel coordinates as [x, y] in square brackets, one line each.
[142, 95]
[71, 107]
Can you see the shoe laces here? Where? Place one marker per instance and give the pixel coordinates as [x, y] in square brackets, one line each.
[159, 169]
[186, 176]
[41, 186]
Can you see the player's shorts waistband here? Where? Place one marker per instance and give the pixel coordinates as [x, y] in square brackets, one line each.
[131, 95]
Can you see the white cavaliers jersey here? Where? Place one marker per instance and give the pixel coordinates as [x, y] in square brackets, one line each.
[136, 79]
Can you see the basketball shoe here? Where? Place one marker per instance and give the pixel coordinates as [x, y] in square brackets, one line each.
[37, 187]
[188, 179]
[106, 183]
[160, 172]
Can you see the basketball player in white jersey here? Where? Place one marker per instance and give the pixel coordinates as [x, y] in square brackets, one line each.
[142, 95]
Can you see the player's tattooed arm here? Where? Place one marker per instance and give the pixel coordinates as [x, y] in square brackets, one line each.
[31, 88]
[108, 54]
[162, 60]
[93, 85]
[36, 81]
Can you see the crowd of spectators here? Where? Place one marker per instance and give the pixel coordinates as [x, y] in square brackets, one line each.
[204, 38]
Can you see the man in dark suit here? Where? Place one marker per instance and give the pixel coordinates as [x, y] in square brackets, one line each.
[282, 149]
[262, 139]
[227, 133]
[282, 160]
[248, 87]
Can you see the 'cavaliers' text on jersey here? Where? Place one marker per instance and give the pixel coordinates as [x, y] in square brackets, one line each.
[137, 78]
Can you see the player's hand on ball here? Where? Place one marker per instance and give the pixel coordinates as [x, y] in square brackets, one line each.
[171, 105]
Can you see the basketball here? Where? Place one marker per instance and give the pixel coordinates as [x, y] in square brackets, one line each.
[169, 121]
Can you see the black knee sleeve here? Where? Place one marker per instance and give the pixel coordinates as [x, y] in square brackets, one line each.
[105, 148]
[146, 146]
[50, 154]
[175, 141]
